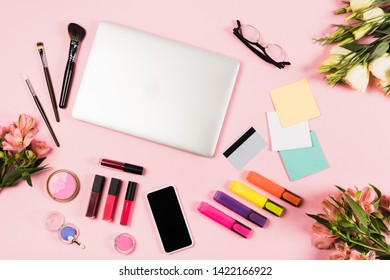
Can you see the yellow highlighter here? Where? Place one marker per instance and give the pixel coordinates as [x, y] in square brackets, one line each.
[256, 198]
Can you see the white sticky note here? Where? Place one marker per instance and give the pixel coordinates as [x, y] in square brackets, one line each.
[292, 137]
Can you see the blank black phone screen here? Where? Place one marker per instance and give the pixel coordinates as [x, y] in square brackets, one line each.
[169, 219]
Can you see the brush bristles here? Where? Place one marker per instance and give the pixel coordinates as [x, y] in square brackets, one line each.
[76, 32]
[40, 45]
[25, 77]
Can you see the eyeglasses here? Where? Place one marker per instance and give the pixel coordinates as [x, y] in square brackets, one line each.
[271, 53]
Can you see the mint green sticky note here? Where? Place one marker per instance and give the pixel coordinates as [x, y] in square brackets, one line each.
[304, 161]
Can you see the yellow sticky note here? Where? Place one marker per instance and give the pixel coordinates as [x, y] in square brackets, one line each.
[295, 103]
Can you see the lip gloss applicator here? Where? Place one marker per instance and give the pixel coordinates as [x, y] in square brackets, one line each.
[126, 167]
[129, 198]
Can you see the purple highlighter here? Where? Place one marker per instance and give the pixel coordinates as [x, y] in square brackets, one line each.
[239, 208]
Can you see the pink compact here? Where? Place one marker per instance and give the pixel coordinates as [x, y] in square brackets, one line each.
[63, 185]
[124, 243]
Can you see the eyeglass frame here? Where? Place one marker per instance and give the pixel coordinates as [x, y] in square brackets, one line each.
[264, 56]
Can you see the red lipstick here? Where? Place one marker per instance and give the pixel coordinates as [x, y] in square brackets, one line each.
[113, 191]
[129, 198]
[126, 167]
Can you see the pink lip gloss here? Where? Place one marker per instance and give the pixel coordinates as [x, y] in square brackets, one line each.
[129, 198]
[126, 167]
[113, 192]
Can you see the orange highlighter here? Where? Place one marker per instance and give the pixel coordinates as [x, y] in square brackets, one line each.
[273, 188]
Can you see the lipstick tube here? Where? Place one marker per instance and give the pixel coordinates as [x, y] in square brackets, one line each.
[94, 200]
[256, 198]
[239, 208]
[223, 219]
[126, 167]
[113, 191]
[274, 189]
[129, 198]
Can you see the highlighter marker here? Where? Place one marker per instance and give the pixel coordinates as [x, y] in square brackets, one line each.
[239, 208]
[274, 189]
[223, 219]
[256, 198]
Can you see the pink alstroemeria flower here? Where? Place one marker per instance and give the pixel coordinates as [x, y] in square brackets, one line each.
[366, 200]
[26, 124]
[356, 255]
[3, 131]
[15, 142]
[39, 148]
[342, 252]
[322, 237]
[330, 211]
[385, 203]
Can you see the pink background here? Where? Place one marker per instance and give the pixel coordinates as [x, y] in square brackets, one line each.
[352, 128]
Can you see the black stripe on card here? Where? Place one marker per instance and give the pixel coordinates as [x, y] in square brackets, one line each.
[239, 142]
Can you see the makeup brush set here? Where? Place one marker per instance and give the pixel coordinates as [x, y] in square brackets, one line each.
[76, 34]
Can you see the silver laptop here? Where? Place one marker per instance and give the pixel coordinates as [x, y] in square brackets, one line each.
[156, 89]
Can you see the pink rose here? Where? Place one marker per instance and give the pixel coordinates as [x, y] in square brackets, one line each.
[322, 237]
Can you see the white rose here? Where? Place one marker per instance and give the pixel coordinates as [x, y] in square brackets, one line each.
[360, 4]
[357, 77]
[380, 67]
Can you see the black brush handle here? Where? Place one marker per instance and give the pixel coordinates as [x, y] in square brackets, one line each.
[51, 93]
[66, 84]
[40, 108]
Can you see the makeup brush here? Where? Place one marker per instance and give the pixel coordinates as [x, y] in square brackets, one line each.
[40, 108]
[76, 34]
[41, 51]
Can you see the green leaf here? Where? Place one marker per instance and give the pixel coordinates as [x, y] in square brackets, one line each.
[39, 161]
[346, 224]
[353, 47]
[378, 192]
[358, 211]
[379, 50]
[10, 178]
[322, 221]
[375, 224]
[340, 189]
[26, 176]
[382, 225]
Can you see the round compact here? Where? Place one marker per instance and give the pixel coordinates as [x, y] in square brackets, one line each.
[67, 233]
[63, 185]
[124, 243]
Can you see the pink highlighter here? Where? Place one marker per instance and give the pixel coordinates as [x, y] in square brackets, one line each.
[223, 219]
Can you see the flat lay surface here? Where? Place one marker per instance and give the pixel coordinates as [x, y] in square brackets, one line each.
[349, 127]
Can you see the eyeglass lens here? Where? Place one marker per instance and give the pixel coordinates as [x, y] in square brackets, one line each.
[251, 34]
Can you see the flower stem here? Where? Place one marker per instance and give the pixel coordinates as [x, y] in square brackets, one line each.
[362, 244]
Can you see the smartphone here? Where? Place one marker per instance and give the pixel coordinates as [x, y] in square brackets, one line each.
[169, 219]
